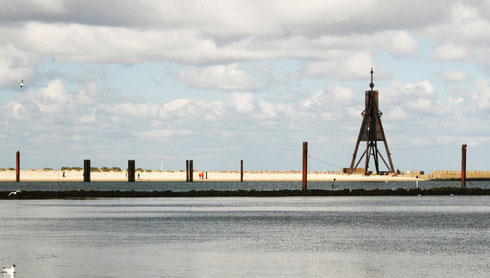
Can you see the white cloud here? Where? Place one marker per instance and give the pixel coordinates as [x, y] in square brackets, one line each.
[224, 77]
[164, 133]
[52, 99]
[15, 65]
[450, 52]
[403, 44]
[347, 66]
[454, 76]
[241, 102]
[482, 94]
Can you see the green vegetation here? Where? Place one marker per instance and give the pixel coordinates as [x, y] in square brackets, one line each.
[64, 168]
[104, 169]
[10, 169]
[2, 169]
[94, 169]
[140, 170]
[116, 169]
[44, 169]
[148, 170]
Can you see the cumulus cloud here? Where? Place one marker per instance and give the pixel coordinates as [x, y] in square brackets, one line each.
[454, 76]
[241, 102]
[450, 52]
[353, 66]
[223, 77]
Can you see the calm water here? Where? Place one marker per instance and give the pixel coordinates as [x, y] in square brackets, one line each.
[438, 236]
[208, 185]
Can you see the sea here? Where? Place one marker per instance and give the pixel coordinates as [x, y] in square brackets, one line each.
[375, 236]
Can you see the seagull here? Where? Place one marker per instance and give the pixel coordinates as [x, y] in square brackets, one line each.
[22, 83]
[15, 192]
[9, 270]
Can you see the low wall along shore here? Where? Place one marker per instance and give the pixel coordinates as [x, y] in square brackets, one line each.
[455, 175]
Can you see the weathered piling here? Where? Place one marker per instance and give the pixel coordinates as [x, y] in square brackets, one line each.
[17, 166]
[191, 170]
[463, 166]
[305, 166]
[131, 170]
[187, 176]
[241, 170]
[86, 170]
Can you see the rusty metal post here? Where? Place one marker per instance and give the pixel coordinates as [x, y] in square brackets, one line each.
[187, 170]
[241, 170]
[305, 166]
[131, 170]
[17, 167]
[191, 170]
[86, 170]
[463, 166]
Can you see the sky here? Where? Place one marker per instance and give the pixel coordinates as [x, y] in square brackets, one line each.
[224, 81]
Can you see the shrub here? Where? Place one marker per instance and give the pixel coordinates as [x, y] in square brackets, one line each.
[46, 169]
[140, 170]
[148, 170]
[94, 169]
[10, 169]
[116, 169]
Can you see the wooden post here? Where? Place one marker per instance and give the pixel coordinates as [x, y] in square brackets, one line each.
[241, 170]
[463, 166]
[131, 170]
[187, 171]
[305, 166]
[86, 170]
[206, 175]
[17, 167]
[191, 170]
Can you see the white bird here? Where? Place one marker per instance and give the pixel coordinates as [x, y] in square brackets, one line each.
[9, 270]
[22, 83]
[15, 192]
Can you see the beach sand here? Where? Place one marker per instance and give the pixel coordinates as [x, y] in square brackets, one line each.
[57, 175]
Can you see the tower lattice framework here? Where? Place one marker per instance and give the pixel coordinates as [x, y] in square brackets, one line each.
[371, 132]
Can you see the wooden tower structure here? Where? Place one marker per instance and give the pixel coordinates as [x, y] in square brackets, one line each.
[371, 132]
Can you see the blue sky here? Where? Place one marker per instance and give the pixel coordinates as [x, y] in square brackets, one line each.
[221, 81]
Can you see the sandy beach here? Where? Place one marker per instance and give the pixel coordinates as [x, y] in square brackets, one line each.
[58, 175]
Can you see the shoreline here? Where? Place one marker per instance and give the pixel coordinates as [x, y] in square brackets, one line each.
[175, 176]
[84, 194]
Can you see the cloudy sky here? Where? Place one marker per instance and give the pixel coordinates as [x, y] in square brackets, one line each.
[220, 81]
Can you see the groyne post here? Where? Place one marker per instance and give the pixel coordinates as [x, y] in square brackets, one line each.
[86, 170]
[463, 166]
[17, 166]
[305, 166]
[131, 170]
[241, 170]
[187, 170]
[191, 170]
